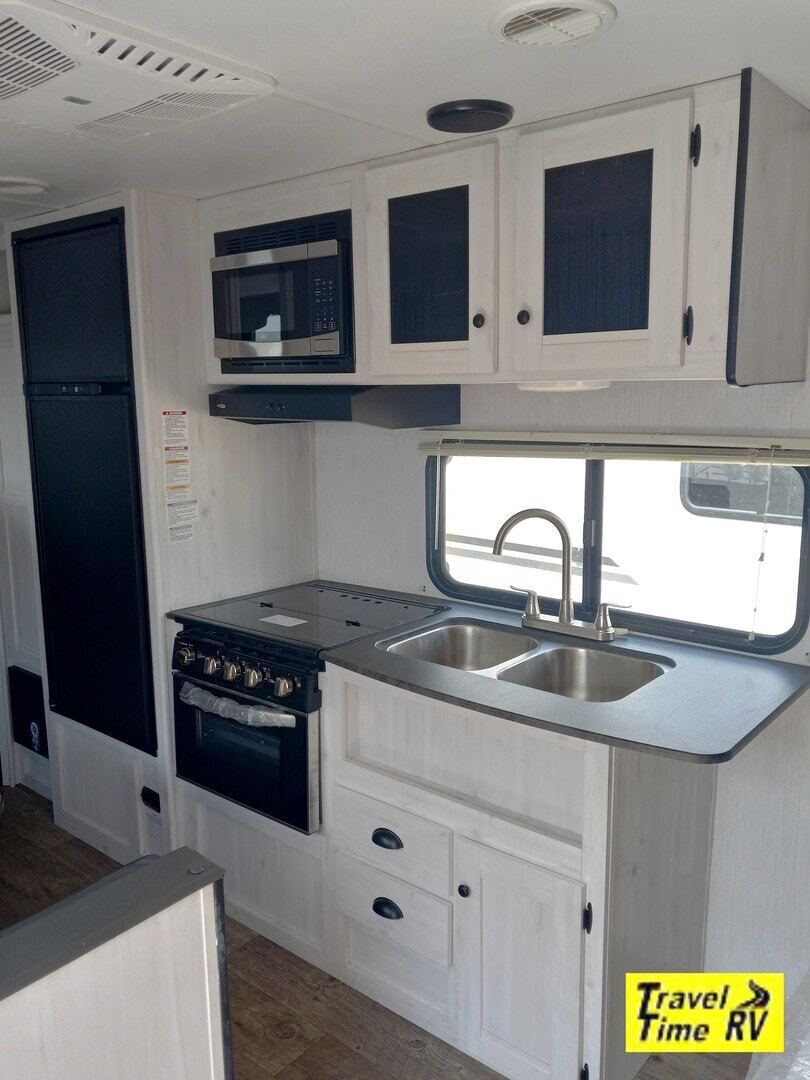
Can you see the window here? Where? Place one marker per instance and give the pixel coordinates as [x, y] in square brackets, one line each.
[704, 551]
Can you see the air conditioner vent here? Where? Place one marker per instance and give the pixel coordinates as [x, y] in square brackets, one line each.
[551, 25]
[27, 60]
[159, 113]
[168, 65]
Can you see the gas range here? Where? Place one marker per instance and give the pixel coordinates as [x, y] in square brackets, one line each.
[246, 695]
[309, 617]
[269, 644]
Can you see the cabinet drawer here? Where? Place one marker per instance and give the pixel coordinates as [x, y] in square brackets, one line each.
[399, 842]
[401, 914]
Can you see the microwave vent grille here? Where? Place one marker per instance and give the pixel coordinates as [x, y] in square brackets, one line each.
[282, 235]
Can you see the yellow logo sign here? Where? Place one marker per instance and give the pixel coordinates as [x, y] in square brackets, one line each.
[725, 1012]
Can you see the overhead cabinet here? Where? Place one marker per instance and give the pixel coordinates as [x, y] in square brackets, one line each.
[601, 225]
[431, 264]
[667, 238]
[653, 241]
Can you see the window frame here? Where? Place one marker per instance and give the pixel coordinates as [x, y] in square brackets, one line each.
[636, 622]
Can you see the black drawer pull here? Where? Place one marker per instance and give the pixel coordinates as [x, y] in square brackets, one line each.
[387, 839]
[386, 908]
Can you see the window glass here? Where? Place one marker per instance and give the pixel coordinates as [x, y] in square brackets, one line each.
[718, 547]
[482, 492]
[700, 568]
[743, 492]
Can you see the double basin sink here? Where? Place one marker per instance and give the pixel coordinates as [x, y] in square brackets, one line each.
[584, 673]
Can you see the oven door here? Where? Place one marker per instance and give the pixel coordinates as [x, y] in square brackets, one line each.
[272, 770]
[283, 302]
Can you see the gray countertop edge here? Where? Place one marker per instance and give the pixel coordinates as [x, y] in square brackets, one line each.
[585, 733]
[62, 933]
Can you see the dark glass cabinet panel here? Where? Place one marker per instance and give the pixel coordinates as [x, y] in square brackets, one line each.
[92, 565]
[429, 266]
[598, 218]
[73, 302]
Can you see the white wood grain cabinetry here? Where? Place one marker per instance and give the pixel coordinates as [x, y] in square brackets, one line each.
[507, 834]
[600, 239]
[473, 349]
[604, 300]
[519, 945]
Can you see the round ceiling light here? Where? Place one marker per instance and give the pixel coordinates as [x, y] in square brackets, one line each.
[22, 185]
[468, 116]
[546, 23]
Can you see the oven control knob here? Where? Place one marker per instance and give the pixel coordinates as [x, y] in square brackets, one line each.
[283, 686]
[252, 677]
[185, 655]
[212, 665]
[231, 670]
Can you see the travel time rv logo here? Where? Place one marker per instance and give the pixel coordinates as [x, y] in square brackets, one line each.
[711, 1012]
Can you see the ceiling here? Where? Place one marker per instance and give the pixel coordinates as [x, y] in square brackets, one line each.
[355, 78]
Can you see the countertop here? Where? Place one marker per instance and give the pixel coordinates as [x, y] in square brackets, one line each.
[706, 707]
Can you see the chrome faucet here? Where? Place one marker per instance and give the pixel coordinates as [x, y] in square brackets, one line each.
[600, 630]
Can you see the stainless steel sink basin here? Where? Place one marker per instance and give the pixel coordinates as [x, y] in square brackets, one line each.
[584, 674]
[465, 646]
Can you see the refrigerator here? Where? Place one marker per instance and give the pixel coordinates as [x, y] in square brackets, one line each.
[73, 311]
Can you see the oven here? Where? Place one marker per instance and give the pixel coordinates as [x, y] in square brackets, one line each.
[282, 297]
[262, 755]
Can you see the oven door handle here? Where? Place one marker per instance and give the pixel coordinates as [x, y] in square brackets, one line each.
[242, 713]
[242, 260]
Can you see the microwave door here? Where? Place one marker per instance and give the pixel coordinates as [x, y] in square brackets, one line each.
[261, 308]
[284, 302]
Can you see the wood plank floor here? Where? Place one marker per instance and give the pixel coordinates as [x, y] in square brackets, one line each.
[289, 1020]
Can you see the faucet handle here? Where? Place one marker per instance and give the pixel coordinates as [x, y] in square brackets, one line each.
[532, 609]
[603, 622]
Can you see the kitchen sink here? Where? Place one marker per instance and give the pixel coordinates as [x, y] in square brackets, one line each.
[467, 646]
[584, 674]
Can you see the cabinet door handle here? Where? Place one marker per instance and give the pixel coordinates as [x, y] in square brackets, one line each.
[523, 316]
[386, 908]
[479, 320]
[387, 839]
[464, 891]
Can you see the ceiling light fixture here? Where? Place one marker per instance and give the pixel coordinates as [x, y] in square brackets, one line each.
[471, 115]
[22, 185]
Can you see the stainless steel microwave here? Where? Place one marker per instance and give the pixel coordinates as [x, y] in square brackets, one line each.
[282, 297]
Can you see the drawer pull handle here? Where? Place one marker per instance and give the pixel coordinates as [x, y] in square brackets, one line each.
[384, 838]
[386, 908]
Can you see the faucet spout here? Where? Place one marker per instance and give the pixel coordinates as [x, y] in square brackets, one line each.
[566, 603]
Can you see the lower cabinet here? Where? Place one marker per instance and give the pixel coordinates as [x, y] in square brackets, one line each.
[518, 946]
[492, 961]
[493, 883]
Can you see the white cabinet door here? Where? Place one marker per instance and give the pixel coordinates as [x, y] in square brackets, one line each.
[518, 949]
[601, 230]
[431, 264]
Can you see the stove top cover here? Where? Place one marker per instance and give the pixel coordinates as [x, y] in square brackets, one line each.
[313, 615]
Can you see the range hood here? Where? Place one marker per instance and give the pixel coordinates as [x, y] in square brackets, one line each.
[381, 406]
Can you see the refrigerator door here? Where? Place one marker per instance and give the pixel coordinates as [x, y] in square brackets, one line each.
[73, 301]
[92, 566]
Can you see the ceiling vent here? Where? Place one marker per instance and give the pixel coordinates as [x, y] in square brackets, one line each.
[167, 64]
[551, 25]
[26, 59]
[113, 81]
[159, 113]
